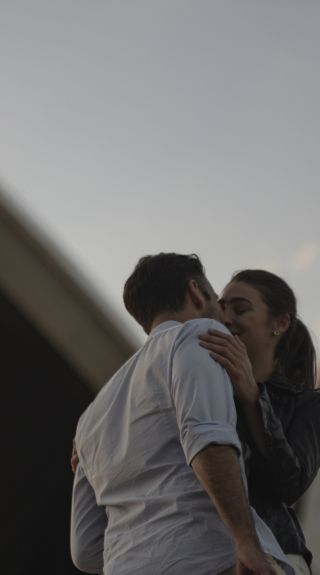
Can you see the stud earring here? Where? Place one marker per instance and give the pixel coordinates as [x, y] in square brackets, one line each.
[276, 332]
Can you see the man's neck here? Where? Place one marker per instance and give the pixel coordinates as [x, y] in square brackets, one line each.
[180, 316]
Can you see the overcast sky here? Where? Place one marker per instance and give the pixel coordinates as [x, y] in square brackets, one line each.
[136, 126]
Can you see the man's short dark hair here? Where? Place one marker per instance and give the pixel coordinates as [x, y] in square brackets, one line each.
[159, 283]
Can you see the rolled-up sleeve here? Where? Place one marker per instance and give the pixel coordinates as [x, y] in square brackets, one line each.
[203, 398]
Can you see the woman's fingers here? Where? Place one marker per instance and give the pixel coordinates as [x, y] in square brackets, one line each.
[230, 341]
[240, 343]
[222, 346]
[231, 353]
[223, 361]
[223, 355]
[220, 349]
[224, 338]
[74, 457]
[216, 339]
[223, 335]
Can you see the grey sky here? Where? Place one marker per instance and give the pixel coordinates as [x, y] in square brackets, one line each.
[130, 127]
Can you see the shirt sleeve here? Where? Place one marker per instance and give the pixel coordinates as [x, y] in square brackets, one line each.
[203, 398]
[88, 523]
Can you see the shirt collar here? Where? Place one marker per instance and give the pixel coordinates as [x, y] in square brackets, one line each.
[164, 326]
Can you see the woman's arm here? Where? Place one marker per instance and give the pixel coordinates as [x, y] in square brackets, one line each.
[292, 460]
[283, 462]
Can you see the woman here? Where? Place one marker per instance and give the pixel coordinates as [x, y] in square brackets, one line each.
[271, 362]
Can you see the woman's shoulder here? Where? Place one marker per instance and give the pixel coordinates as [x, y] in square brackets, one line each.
[288, 398]
[311, 398]
[280, 384]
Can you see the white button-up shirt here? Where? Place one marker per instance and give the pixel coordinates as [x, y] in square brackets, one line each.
[138, 508]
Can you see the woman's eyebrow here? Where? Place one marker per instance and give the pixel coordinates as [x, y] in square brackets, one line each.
[234, 300]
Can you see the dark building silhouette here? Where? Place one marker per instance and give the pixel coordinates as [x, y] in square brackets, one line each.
[58, 346]
[43, 397]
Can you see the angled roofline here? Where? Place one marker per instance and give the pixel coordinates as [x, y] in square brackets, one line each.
[55, 297]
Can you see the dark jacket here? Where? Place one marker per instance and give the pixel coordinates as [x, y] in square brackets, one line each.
[291, 418]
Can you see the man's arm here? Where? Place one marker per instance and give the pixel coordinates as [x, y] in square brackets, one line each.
[218, 470]
[88, 523]
[206, 417]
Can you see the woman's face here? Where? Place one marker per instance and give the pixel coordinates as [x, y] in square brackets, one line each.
[247, 315]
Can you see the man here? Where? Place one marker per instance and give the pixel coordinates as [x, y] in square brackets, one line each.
[159, 486]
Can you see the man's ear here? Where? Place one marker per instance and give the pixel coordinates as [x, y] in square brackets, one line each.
[281, 324]
[195, 294]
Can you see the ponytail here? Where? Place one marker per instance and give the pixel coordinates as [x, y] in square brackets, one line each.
[295, 355]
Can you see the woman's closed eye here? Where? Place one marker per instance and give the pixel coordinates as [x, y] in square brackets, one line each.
[240, 309]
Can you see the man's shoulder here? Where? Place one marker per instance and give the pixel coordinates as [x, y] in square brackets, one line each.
[194, 327]
[174, 332]
[106, 393]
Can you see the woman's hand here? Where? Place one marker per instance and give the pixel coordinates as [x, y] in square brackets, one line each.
[231, 353]
[74, 457]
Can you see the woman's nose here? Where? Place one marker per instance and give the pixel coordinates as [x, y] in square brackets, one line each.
[227, 317]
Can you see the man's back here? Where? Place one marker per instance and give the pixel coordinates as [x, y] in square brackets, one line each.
[135, 444]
